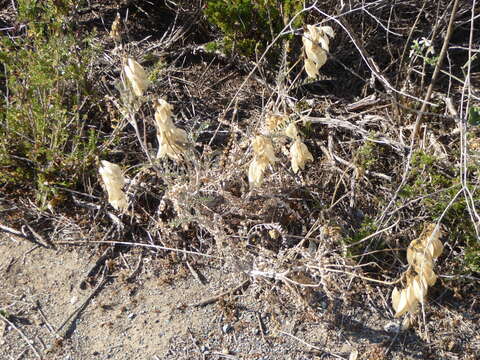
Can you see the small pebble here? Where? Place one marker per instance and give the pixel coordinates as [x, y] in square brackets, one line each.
[226, 328]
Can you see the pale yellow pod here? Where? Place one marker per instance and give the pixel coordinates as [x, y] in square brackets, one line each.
[420, 287]
[299, 155]
[325, 43]
[256, 172]
[263, 149]
[402, 305]
[163, 110]
[427, 273]
[328, 30]
[316, 54]
[291, 131]
[136, 68]
[411, 297]
[437, 248]
[114, 181]
[311, 68]
[136, 76]
[395, 298]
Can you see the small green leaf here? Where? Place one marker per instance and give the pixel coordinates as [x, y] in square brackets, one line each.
[474, 116]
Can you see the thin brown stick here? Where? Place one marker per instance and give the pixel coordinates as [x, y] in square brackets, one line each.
[44, 318]
[158, 247]
[27, 340]
[79, 309]
[213, 299]
[443, 53]
[311, 346]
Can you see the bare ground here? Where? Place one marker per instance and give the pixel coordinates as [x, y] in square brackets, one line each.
[151, 317]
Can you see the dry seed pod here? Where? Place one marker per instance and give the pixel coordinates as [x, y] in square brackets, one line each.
[163, 110]
[136, 76]
[264, 155]
[430, 238]
[274, 121]
[299, 155]
[420, 287]
[172, 141]
[256, 172]
[316, 44]
[115, 30]
[291, 131]
[263, 149]
[399, 301]
[427, 273]
[114, 182]
[311, 68]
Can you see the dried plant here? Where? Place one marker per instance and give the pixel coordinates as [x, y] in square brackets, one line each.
[421, 255]
[300, 155]
[316, 44]
[136, 76]
[264, 155]
[115, 30]
[299, 152]
[114, 182]
[275, 121]
[173, 142]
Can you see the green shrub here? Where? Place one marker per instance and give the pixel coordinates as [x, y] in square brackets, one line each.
[250, 25]
[44, 138]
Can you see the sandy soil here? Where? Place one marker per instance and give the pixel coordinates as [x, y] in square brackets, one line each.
[147, 316]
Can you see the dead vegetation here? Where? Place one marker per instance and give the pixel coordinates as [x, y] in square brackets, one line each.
[309, 190]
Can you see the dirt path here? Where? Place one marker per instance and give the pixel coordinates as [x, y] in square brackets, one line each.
[147, 318]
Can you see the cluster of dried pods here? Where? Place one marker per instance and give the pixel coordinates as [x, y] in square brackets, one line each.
[421, 255]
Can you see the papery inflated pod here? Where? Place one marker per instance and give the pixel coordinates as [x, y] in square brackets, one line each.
[299, 155]
[427, 273]
[115, 30]
[163, 110]
[316, 44]
[411, 298]
[311, 68]
[172, 141]
[264, 155]
[291, 131]
[420, 287]
[431, 240]
[114, 182]
[256, 172]
[263, 149]
[136, 77]
[400, 302]
[274, 121]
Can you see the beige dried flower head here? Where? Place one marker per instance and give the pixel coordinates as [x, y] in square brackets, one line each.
[421, 255]
[291, 131]
[263, 149]
[172, 141]
[136, 77]
[316, 44]
[115, 30]
[114, 182]
[275, 121]
[300, 155]
[264, 155]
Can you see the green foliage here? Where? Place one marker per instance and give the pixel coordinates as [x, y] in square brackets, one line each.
[367, 156]
[44, 139]
[250, 25]
[436, 188]
[367, 227]
[474, 116]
